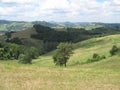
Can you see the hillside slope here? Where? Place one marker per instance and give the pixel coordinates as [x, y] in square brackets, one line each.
[84, 50]
[25, 37]
[42, 74]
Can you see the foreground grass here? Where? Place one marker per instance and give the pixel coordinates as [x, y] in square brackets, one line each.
[95, 76]
[44, 75]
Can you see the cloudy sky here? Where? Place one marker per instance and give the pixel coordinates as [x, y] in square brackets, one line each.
[61, 10]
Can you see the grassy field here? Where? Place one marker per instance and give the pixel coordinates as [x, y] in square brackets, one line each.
[42, 74]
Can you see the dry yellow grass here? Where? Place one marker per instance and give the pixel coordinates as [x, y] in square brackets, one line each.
[82, 77]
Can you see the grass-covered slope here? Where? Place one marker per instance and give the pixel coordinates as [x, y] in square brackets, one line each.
[84, 50]
[101, 45]
[78, 75]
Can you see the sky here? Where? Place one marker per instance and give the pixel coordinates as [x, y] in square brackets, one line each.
[107, 11]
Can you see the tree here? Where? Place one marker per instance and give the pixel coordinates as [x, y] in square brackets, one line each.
[33, 52]
[62, 54]
[29, 54]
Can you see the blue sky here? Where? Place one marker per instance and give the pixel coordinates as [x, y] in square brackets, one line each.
[100, 0]
[61, 10]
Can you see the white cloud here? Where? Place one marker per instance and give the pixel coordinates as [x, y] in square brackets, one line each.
[7, 10]
[55, 4]
[21, 1]
[63, 10]
[116, 2]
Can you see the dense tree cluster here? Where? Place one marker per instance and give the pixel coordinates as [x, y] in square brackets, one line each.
[50, 35]
[10, 51]
[71, 34]
[104, 31]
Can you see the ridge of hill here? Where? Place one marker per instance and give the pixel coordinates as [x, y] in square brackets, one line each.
[6, 25]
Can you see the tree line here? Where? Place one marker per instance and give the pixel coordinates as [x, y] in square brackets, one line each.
[11, 51]
[70, 34]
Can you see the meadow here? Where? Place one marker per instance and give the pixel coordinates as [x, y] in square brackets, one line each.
[42, 74]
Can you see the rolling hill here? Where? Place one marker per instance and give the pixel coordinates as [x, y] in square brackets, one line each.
[6, 25]
[85, 49]
[14, 25]
[42, 74]
[21, 25]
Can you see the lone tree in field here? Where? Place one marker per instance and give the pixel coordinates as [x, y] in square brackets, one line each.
[62, 54]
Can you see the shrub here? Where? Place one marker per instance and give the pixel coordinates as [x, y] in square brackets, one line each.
[114, 50]
[96, 57]
[29, 54]
[103, 57]
[25, 58]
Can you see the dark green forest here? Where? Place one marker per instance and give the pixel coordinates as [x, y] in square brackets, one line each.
[71, 34]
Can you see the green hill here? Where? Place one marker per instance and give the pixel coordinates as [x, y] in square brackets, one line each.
[78, 75]
[14, 25]
[6, 25]
[21, 25]
[85, 49]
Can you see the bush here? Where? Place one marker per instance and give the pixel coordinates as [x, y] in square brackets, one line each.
[96, 57]
[103, 57]
[29, 54]
[114, 50]
[25, 58]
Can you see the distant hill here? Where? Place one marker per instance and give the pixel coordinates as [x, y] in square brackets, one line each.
[21, 25]
[6, 25]
[14, 25]
[87, 25]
